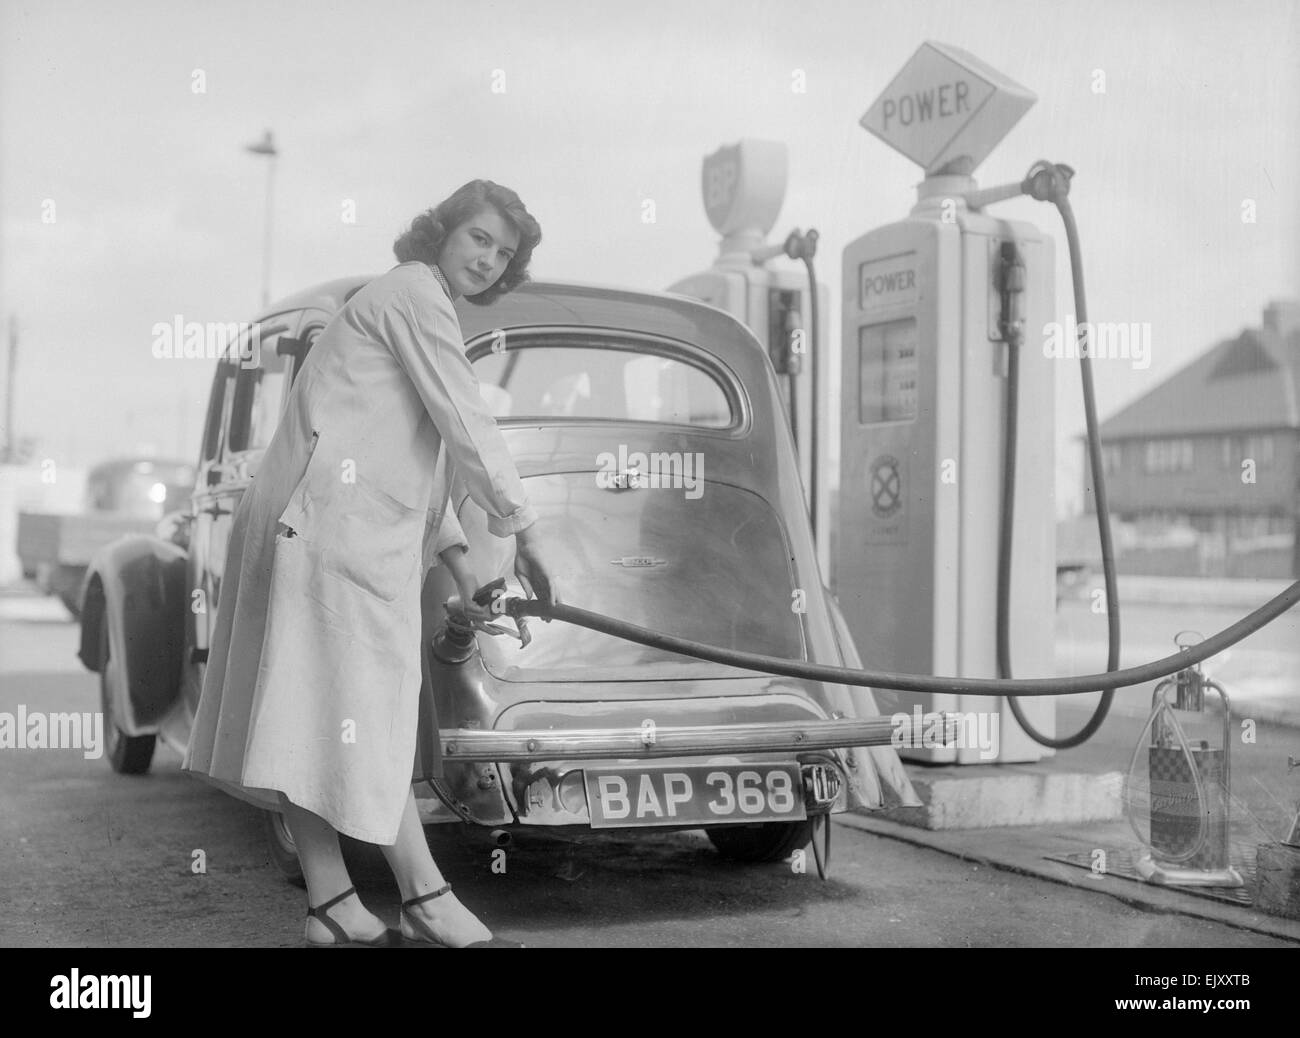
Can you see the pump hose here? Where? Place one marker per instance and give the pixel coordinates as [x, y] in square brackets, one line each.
[1048, 182]
[814, 417]
[804, 247]
[1247, 625]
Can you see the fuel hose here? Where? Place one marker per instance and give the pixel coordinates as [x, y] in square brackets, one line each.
[1048, 182]
[1067, 686]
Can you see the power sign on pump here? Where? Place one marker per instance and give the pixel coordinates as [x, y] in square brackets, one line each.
[923, 105]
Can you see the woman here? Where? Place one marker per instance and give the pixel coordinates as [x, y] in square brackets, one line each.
[311, 694]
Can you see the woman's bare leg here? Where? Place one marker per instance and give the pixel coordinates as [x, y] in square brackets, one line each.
[327, 877]
[416, 873]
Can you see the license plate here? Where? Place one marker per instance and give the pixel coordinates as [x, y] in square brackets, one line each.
[703, 794]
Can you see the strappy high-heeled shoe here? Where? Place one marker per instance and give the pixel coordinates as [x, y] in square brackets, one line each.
[390, 938]
[424, 935]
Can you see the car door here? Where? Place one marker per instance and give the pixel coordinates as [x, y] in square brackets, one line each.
[244, 411]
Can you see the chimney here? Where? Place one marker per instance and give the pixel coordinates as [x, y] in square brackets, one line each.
[1282, 316]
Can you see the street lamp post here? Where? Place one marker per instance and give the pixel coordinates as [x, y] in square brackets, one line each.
[10, 453]
[266, 146]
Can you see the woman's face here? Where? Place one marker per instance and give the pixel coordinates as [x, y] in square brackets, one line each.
[475, 254]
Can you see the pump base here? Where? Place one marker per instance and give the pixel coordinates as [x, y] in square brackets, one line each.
[1171, 876]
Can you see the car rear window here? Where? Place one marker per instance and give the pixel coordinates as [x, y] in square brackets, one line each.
[609, 379]
[713, 568]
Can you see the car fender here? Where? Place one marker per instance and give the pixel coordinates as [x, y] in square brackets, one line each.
[136, 586]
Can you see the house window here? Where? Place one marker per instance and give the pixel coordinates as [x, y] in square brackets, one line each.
[1169, 456]
[1112, 458]
[1258, 449]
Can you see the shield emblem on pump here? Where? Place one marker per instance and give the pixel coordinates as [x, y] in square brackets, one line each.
[886, 485]
[743, 185]
[720, 176]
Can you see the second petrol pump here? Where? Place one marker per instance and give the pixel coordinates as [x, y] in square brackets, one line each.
[931, 307]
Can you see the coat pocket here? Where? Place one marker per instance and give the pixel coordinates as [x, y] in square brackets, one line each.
[374, 541]
[298, 510]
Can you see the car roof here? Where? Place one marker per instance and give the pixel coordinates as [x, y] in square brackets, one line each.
[563, 303]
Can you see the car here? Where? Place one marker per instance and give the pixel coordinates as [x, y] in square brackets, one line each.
[648, 431]
[122, 496]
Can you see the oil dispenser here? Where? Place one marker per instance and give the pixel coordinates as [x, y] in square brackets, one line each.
[1180, 807]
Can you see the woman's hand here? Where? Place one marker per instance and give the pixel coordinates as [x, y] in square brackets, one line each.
[456, 559]
[534, 568]
[474, 612]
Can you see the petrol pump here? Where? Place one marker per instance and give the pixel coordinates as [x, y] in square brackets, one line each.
[743, 186]
[930, 305]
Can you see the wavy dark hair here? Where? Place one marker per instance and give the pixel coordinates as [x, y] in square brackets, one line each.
[430, 229]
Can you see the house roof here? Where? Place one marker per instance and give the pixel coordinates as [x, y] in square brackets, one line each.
[1251, 382]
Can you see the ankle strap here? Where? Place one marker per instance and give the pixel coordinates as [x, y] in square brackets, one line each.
[444, 889]
[330, 904]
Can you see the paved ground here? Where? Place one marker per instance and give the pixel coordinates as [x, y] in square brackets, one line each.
[94, 858]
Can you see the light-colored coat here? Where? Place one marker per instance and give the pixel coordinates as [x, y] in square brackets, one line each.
[313, 675]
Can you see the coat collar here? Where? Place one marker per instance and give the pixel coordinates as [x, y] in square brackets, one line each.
[442, 280]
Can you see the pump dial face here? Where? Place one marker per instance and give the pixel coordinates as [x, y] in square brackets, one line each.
[887, 372]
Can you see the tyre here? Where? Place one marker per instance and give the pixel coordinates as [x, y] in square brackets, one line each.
[770, 841]
[279, 842]
[128, 754]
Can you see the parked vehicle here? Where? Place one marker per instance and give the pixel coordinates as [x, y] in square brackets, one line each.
[648, 431]
[122, 496]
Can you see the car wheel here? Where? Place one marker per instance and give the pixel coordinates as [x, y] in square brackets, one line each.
[771, 841]
[279, 841]
[128, 754]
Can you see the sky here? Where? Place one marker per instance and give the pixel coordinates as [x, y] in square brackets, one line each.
[127, 195]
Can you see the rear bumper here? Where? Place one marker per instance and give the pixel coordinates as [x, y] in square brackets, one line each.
[533, 774]
[649, 741]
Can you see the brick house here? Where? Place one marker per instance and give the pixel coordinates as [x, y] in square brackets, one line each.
[1204, 470]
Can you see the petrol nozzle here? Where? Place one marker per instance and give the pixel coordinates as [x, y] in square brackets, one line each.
[454, 642]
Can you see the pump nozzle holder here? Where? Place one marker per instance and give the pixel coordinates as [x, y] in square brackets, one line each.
[801, 246]
[1047, 181]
